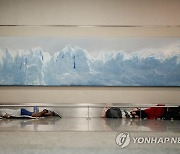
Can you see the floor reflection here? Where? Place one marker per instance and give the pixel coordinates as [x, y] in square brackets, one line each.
[27, 124]
[88, 124]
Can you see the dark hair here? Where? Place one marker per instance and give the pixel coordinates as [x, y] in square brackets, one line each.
[114, 112]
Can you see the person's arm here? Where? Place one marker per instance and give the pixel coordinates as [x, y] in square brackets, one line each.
[134, 112]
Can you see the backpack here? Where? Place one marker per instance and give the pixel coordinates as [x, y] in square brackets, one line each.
[114, 112]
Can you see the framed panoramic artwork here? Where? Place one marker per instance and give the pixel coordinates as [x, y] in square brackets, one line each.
[89, 61]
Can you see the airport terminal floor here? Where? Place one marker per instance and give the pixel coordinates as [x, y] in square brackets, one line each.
[89, 135]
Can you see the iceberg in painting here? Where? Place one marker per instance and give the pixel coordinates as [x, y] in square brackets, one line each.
[73, 65]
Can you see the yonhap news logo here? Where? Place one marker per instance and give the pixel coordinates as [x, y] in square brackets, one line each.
[124, 139]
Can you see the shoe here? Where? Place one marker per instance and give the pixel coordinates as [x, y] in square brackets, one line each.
[55, 114]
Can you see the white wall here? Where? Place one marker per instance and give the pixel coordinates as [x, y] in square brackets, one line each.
[90, 12]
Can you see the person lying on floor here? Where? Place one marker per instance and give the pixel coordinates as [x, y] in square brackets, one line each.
[166, 113]
[114, 112]
[149, 113]
[7, 113]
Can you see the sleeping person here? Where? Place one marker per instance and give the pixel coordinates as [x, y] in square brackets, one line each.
[8, 113]
[149, 113]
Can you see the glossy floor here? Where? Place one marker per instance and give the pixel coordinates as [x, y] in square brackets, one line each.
[84, 135]
[89, 124]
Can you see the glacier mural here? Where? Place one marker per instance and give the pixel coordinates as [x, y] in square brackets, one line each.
[76, 66]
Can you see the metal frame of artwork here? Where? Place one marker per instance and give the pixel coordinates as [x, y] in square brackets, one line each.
[105, 60]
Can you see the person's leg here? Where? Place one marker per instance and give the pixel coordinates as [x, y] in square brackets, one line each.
[33, 114]
[39, 114]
